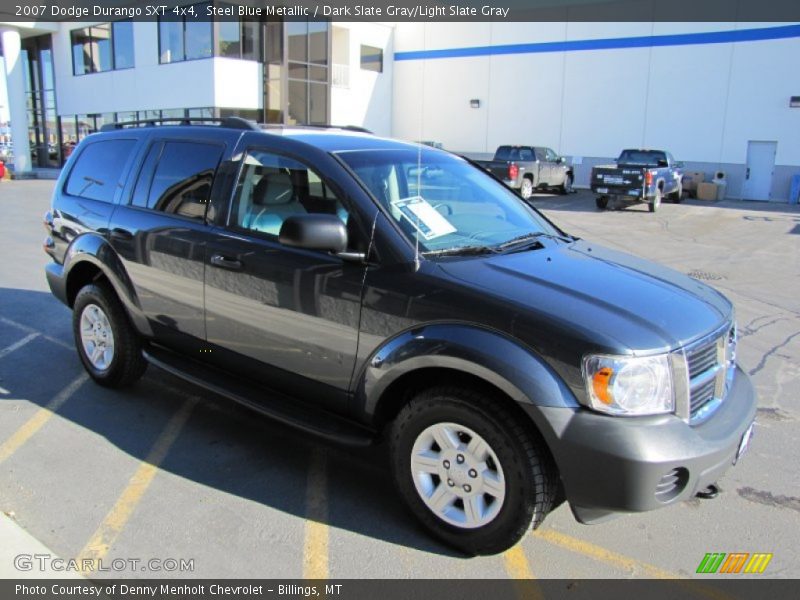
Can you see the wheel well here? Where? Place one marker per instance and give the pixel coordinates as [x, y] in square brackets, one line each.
[661, 185]
[407, 386]
[81, 275]
[528, 176]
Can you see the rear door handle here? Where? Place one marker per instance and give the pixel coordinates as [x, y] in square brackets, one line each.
[226, 263]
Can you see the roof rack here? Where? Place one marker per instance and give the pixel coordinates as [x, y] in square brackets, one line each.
[316, 126]
[227, 122]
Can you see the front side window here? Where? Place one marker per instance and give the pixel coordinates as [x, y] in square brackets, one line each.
[550, 156]
[444, 203]
[176, 178]
[272, 188]
[98, 172]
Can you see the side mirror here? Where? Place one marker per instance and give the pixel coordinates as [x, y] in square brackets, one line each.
[561, 160]
[314, 232]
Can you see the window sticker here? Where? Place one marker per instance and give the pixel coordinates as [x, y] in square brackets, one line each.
[427, 220]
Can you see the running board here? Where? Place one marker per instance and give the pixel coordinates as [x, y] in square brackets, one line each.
[281, 407]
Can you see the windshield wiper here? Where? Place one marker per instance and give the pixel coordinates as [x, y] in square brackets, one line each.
[521, 240]
[461, 251]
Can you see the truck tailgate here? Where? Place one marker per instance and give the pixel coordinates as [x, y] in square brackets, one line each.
[617, 180]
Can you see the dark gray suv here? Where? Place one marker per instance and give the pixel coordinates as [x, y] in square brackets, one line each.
[363, 289]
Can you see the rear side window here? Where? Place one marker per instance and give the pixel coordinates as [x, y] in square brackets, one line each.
[98, 172]
[177, 177]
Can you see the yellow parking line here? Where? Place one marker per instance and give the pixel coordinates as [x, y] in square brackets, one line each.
[602, 554]
[519, 569]
[116, 519]
[315, 548]
[35, 423]
[516, 563]
[626, 563]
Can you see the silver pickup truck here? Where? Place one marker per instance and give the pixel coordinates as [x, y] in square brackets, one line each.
[528, 168]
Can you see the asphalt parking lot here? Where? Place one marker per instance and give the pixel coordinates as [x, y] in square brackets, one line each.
[167, 471]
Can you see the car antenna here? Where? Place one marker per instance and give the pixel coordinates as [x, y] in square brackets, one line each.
[419, 193]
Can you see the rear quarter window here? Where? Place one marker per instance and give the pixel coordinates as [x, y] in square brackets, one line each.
[97, 174]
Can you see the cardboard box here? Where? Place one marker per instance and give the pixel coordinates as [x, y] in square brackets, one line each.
[707, 191]
[691, 179]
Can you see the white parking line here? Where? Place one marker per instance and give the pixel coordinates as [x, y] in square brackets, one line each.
[27, 329]
[17, 345]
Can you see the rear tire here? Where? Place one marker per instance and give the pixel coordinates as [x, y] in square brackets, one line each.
[108, 346]
[601, 202]
[526, 188]
[469, 471]
[653, 205]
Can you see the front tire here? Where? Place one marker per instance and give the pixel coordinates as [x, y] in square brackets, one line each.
[566, 187]
[601, 202]
[677, 195]
[108, 346]
[469, 471]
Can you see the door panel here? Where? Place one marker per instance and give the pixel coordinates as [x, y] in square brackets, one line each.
[160, 236]
[290, 309]
[759, 170]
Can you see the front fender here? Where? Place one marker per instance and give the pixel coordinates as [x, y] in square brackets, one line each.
[94, 249]
[489, 355]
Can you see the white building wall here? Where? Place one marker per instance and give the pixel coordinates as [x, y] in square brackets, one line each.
[364, 97]
[150, 85]
[703, 102]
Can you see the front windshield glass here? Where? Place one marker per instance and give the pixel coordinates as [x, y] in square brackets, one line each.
[443, 201]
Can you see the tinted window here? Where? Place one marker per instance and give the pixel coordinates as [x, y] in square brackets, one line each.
[272, 188]
[647, 158]
[182, 180]
[98, 171]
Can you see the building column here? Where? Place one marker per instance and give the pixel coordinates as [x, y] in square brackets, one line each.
[15, 82]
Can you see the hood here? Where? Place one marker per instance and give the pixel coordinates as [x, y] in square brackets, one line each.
[618, 301]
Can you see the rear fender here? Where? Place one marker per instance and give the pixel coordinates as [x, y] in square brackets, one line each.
[94, 249]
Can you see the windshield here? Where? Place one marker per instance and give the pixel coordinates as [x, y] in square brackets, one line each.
[444, 202]
[641, 157]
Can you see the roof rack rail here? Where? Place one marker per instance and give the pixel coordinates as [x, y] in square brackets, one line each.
[227, 122]
[316, 126]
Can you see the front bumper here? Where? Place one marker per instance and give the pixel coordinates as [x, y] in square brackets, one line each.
[612, 464]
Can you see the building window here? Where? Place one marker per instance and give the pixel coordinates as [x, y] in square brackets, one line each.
[239, 39]
[186, 38]
[372, 59]
[308, 64]
[102, 47]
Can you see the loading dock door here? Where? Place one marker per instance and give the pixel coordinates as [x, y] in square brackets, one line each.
[760, 167]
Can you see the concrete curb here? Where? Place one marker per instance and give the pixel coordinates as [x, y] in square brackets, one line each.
[17, 541]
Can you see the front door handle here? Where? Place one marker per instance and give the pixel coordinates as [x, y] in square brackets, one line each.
[747, 173]
[226, 263]
[121, 234]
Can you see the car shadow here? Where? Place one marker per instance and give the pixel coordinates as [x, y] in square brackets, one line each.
[222, 446]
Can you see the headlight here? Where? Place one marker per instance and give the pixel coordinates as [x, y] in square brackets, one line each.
[630, 386]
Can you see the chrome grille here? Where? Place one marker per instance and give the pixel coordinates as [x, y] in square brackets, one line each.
[710, 365]
[702, 359]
